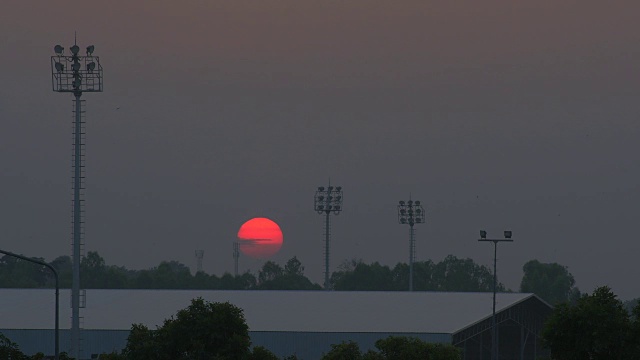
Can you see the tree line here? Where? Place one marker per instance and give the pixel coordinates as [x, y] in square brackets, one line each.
[212, 330]
[552, 282]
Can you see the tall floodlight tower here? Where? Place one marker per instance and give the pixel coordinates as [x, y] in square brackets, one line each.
[76, 74]
[411, 213]
[494, 327]
[199, 256]
[236, 256]
[326, 201]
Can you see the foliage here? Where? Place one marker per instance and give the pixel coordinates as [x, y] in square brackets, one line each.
[9, 349]
[204, 330]
[596, 327]
[344, 351]
[451, 274]
[407, 348]
[551, 282]
[273, 277]
[261, 353]
[394, 348]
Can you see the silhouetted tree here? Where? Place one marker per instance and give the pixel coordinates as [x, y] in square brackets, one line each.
[203, 330]
[551, 282]
[596, 327]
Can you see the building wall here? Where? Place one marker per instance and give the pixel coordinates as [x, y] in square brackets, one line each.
[305, 345]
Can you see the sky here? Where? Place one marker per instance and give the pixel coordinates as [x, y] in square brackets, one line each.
[518, 115]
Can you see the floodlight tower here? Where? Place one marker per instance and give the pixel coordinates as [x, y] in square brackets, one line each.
[236, 256]
[199, 256]
[327, 201]
[76, 74]
[494, 336]
[411, 213]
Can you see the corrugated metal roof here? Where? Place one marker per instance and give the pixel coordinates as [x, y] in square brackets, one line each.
[303, 311]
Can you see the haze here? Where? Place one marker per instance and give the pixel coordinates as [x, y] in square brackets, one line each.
[495, 114]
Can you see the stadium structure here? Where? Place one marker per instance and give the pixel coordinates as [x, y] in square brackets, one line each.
[304, 323]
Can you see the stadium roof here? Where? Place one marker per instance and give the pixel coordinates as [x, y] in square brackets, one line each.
[296, 311]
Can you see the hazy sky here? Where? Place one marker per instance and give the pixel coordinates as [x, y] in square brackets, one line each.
[495, 114]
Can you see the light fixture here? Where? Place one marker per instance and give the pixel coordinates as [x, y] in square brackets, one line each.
[90, 49]
[507, 234]
[483, 234]
[75, 66]
[411, 213]
[91, 66]
[75, 49]
[59, 67]
[58, 49]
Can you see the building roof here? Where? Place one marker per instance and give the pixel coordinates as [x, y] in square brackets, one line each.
[296, 311]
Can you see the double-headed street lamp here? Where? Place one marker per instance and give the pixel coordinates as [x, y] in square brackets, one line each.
[494, 336]
[326, 201]
[411, 213]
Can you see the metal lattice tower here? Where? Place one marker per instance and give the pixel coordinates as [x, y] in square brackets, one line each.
[411, 213]
[199, 256]
[236, 256]
[76, 74]
[326, 201]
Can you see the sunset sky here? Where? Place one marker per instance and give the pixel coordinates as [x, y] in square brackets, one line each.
[497, 114]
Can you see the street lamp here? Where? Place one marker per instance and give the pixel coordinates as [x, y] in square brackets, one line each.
[494, 336]
[57, 311]
[411, 213]
[76, 73]
[326, 201]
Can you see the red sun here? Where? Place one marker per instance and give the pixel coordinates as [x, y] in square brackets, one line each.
[260, 238]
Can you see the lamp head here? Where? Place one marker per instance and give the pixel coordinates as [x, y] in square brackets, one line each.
[58, 49]
[90, 49]
[75, 49]
[483, 234]
[507, 234]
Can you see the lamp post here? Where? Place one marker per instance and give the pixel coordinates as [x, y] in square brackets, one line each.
[76, 73]
[57, 311]
[326, 201]
[494, 336]
[411, 213]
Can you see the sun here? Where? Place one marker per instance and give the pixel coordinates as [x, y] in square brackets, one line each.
[260, 238]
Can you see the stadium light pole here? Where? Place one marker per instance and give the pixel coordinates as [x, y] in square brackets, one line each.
[411, 213]
[76, 74]
[56, 333]
[494, 328]
[326, 201]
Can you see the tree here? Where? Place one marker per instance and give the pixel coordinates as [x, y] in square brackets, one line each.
[453, 274]
[294, 267]
[358, 276]
[408, 348]
[10, 350]
[203, 330]
[596, 327]
[261, 353]
[270, 271]
[344, 351]
[551, 282]
[394, 348]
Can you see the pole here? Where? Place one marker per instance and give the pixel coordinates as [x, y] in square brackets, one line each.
[411, 256]
[494, 326]
[57, 315]
[326, 251]
[494, 338]
[77, 229]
